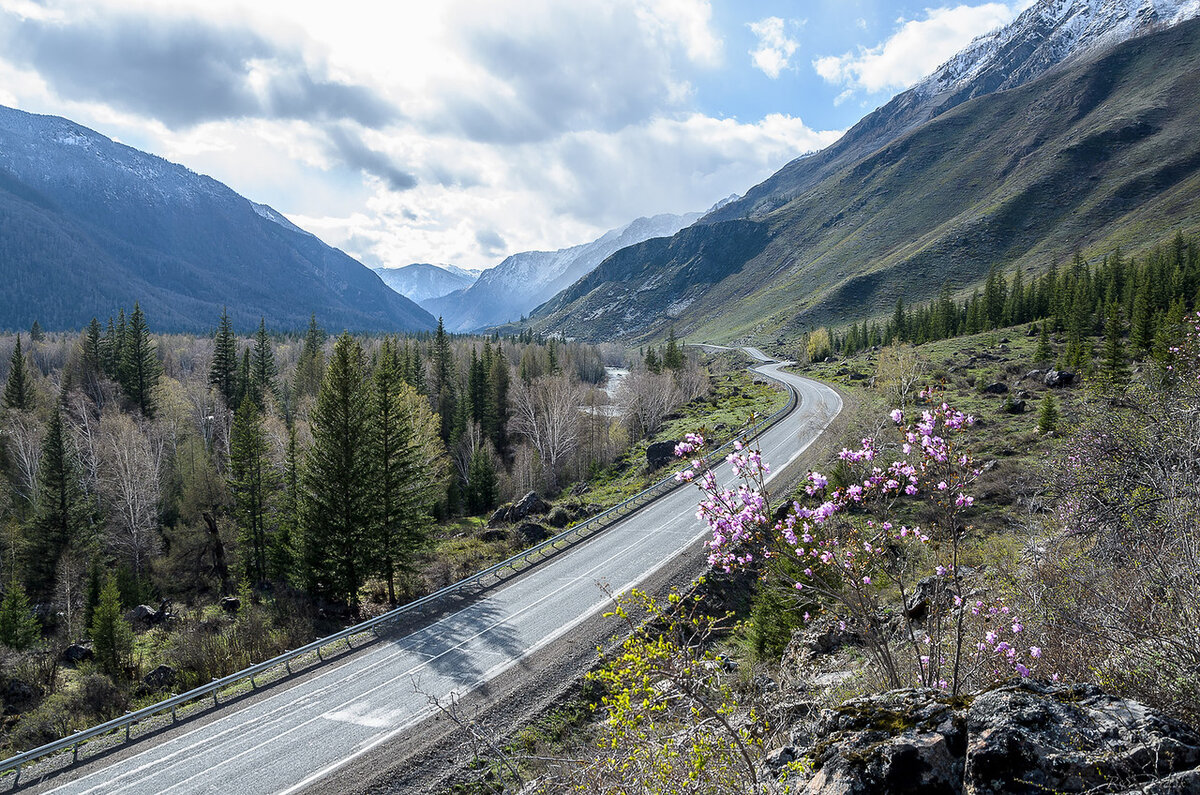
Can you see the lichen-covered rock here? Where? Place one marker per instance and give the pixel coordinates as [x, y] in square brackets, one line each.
[1031, 737]
[528, 505]
[1022, 737]
[660, 454]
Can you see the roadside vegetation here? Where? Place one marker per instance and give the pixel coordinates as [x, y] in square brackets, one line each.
[176, 507]
[995, 515]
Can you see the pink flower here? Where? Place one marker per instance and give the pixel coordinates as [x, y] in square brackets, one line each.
[1035, 652]
[897, 416]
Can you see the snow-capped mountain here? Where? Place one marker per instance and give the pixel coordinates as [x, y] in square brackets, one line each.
[524, 281]
[1046, 34]
[422, 281]
[88, 225]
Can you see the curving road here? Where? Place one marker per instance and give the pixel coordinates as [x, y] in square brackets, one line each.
[306, 732]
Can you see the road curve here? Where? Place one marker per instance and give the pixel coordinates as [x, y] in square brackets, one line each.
[306, 732]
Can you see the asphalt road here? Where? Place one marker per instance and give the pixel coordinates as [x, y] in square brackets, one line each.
[308, 731]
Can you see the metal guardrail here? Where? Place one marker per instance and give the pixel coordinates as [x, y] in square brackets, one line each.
[566, 539]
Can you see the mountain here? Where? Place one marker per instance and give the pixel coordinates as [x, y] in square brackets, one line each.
[1044, 35]
[422, 281]
[88, 225]
[523, 281]
[1094, 151]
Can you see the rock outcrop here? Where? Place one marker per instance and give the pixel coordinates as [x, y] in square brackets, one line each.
[1020, 737]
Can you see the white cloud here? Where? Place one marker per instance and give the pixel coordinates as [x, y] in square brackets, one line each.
[916, 49]
[775, 48]
[451, 131]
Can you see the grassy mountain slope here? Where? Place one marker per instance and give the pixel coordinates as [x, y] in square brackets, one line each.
[1097, 153]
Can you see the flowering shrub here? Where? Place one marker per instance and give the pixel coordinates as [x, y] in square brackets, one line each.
[852, 551]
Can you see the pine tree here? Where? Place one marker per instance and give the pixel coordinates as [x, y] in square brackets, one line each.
[281, 560]
[93, 356]
[311, 367]
[262, 368]
[482, 485]
[18, 392]
[405, 467]
[251, 481]
[1114, 345]
[222, 375]
[1047, 415]
[1044, 352]
[245, 384]
[653, 363]
[112, 637]
[139, 363]
[498, 382]
[60, 518]
[19, 628]
[35, 332]
[673, 357]
[110, 348]
[1141, 324]
[336, 508]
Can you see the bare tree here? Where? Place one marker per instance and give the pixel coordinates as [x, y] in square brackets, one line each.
[23, 438]
[547, 413]
[645, 399]
[900, 373]
[131, 464]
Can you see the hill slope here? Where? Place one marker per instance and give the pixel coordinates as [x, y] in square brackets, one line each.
[1096, 153]
[87, 225]
[523, 281]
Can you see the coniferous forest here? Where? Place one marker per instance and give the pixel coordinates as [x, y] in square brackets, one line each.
[261, 489]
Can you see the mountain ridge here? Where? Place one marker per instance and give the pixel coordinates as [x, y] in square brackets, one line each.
[88, 225]
[1095, 154]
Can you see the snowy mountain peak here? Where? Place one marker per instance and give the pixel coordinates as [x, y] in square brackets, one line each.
[1048, 33]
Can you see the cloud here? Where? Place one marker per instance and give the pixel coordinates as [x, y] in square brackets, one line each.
[181, 70]
[352, 151]
[916, 49]
[775, 49]
[490, 241]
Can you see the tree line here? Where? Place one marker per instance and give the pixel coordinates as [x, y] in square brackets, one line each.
[1135, 304]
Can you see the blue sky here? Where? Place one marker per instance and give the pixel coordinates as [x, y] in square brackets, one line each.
[461, 131]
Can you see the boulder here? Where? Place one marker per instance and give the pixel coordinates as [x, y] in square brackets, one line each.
[1058, 378]
[928, 591]
[160, 678]
[77, 653]
[1016, 407]
[1055, 738]
[231, 604]
[533, 533]
[528, 505]
[777, 761]
[1020, 737]
[659, 455]
[19, 696]
[1034, 375]
[822, 636]
[142, 614]
[997, 388]
[489, 536]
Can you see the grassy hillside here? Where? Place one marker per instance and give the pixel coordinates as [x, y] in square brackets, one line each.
[1099, 154]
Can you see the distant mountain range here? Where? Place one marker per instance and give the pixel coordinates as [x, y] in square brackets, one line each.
[523, 281]
[88, 225]
[1057, 133]
[422, 281]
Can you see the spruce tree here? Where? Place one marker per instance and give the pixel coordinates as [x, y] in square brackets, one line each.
[498, 381]
[112, 637]
[673, 356]
[653, 363]
[60, 519]
[311, 367]
[35, 332]
[251, 481]
[93, 356]
[337, 508]
[281, 560]
[482, 486]
[262, 367]
[222, 375]
[18, 392]
[19, 628]
[139, 363]
[1114, 345]
[1047, 415]
[245, 382]
[1044, 352]
[404, 458]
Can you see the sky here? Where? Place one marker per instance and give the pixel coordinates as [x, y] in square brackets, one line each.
[462, 131]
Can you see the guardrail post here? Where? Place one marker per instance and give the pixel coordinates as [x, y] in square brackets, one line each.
[319, 657]
[215, 702]
[17, 778]
[74, 753]
[173, 718]
[253, 684]
[288, 664]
